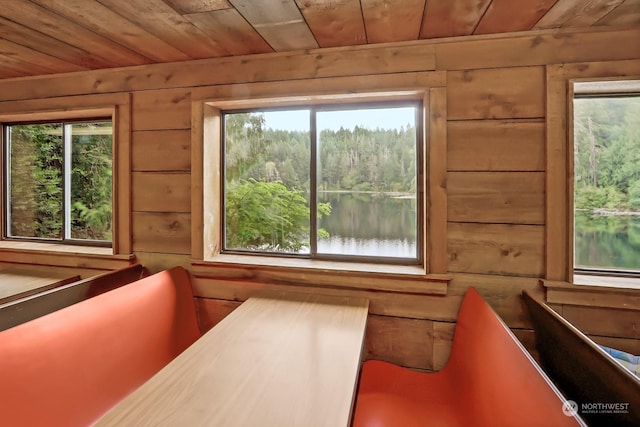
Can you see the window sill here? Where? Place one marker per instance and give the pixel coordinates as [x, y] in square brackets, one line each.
[595, 291]
[62, 255]
[305, 272]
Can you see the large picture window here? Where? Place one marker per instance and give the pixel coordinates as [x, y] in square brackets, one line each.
[328, 182]
[58, 181]
[606, 183]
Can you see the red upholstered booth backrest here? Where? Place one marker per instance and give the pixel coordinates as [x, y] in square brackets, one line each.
[69, 367]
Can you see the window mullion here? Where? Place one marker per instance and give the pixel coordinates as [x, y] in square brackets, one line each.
[313, 186]
[67, 152]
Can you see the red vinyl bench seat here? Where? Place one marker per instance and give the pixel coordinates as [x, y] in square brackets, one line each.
[490, 380]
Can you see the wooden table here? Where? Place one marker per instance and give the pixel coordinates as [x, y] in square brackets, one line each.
[21, 281]
[283, 362]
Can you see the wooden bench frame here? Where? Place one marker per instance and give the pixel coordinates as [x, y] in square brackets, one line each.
[583, 370]
[16, 312]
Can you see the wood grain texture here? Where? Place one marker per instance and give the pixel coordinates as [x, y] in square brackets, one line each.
[442, 340]
[94, 15]
[161, 192]
[231, 30]
[445, 18]
[506, 15]
[405, 342]
[162, 232]
[161, 150]
[500, 249]
[210, 312]
[392, 21]
[335, 23]
[496, 197]
[554, 47]
[496, 145]
[21, 281]
[115, 33]
[283, 27]
[190, 6]
[271, 362]
[602, 321]
[628, 13]
[162, 109]
[568, 12]
[496, 93]
[437, 193]
[159, 19]
[55, 26]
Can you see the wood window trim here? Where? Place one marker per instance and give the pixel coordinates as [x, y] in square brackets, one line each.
[559, 271]
[207, 103]
[118, 108]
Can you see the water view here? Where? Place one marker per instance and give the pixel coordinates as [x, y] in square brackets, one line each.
[369, 224]
[607, 241]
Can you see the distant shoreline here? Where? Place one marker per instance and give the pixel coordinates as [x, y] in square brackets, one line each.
[394, 194]
[610, 212]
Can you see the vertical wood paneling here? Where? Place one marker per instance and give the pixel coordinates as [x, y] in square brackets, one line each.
[496, 145]
[437, 191]
[496, 93]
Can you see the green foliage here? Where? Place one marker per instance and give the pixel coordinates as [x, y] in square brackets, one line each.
[607, 153]
[37, 180]
[267, 216]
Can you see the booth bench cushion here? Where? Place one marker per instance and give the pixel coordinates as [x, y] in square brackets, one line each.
[489, 381]
[69, 367]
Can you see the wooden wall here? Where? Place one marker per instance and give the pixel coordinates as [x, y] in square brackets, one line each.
[496, 137]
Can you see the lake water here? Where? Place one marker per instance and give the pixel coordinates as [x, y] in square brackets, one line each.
[370, 225]
[375, 225]
[607, 241]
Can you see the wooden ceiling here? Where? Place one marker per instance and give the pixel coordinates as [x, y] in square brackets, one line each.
[54, 36]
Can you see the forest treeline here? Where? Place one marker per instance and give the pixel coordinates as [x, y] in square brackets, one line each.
[267, 177]
[607, 153]
[359, 159]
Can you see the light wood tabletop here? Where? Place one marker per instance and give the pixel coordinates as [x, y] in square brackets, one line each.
[286, 362]
[21, 281]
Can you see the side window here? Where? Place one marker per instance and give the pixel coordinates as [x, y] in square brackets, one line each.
[606, 169]
[58, 181]
[338, 182]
